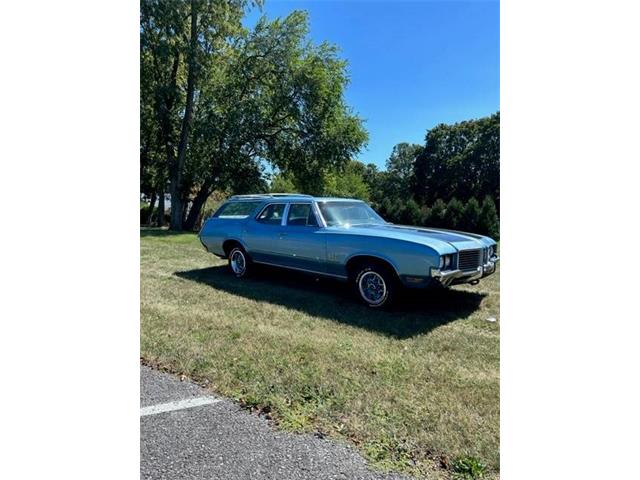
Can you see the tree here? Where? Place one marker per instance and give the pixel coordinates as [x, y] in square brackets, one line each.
[395, 182]
[179, 40]
[400, 162]
[437, 214]
[471, 216]
[488, 222]
[411, 214]
[453, 213]
[282, 183]
[226, 100]
[347, 182]
[461, 160]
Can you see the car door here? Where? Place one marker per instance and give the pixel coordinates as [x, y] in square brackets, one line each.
[302, 242]
[261, 234]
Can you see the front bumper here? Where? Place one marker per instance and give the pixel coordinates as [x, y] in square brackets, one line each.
[451, 277]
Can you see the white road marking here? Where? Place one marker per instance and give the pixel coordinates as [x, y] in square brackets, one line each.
[177, 405]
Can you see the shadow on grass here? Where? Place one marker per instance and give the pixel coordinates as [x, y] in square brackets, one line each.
[417, 312]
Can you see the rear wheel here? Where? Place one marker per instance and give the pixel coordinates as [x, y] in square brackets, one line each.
[239, 262]
[375, 285]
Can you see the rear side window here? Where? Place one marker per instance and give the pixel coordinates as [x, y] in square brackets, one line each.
[272, 214]
[301, 215]
[236, 209]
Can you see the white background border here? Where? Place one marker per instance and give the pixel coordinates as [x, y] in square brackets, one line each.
[69, 239]
[70, 248]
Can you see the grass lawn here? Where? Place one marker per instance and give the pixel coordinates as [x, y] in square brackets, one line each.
[412, 389]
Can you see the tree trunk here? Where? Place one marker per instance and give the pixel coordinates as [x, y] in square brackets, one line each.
[196, 207]
[176, 205]
[185, 207]
[160, 219]
[176, 177]
[152, 204]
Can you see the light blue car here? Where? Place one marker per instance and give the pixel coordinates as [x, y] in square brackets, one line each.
[344, 239]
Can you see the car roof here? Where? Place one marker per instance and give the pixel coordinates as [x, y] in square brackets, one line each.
[288, 197]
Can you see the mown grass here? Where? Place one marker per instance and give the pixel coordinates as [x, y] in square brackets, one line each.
[413, 388]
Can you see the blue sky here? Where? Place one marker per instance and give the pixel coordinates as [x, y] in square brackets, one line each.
[412, 64]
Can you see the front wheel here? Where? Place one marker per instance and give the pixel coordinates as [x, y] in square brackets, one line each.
[239, 262]
[376, 286]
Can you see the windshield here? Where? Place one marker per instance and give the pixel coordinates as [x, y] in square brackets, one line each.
[349, 213]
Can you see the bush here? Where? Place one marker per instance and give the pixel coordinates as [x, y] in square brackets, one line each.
[410, 214]
[453, 214]
[436, 214]
[488, 222]
[471, 216]
[468, 468]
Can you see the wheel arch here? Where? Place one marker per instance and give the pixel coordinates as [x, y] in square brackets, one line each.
[358, 259]
[229, 243]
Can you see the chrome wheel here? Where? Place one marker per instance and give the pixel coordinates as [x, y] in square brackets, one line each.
[238, 262]
[373, 288]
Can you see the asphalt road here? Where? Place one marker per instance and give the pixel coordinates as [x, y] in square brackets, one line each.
[187, 433]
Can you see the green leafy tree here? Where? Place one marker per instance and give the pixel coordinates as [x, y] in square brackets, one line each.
[282, 183]
[347, 182]
[225, 100]
[179, 41]
[395, 182]
[401, 161]
[370, 175]
[461, 160]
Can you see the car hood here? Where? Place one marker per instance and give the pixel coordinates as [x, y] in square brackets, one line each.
[439, 239]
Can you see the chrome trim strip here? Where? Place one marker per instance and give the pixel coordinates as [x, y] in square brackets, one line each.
[323, 223]
[285, 214]
[303, 270]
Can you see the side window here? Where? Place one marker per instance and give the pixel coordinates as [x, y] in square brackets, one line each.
[236, 209]
[272, 214]
[301, 215]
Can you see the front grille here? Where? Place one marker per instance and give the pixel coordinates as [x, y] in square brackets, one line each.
[469, 259]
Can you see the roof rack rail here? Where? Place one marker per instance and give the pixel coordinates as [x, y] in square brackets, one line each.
[271, 195]
[290, 195]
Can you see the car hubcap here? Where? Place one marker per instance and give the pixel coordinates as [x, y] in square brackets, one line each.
[237, 262]
[372, 288]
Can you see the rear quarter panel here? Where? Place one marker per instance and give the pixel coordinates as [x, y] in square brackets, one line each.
[216, 230]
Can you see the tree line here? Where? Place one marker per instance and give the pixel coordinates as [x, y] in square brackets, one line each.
[452, 181]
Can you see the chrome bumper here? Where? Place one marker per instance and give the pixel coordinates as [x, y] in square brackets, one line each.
[446, 277]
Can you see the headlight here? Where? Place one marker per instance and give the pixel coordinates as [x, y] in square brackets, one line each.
[446, 262]
[490, 252]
